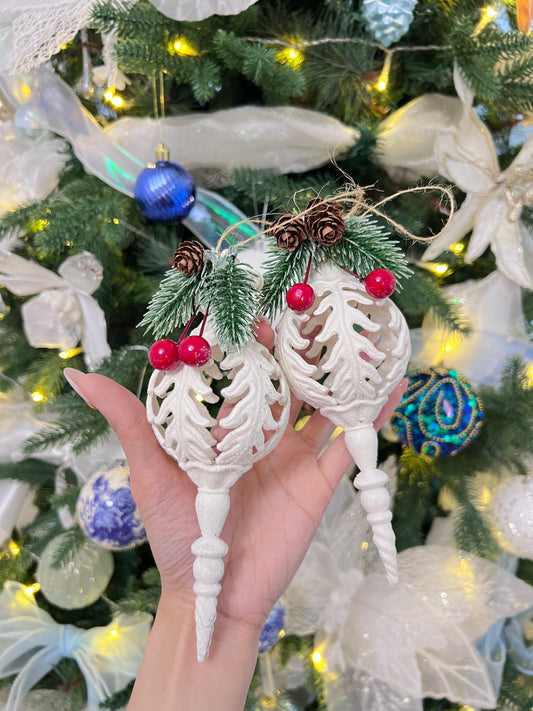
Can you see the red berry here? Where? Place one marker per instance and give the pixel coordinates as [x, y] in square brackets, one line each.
[194, 350]
[380, 283]
[163, 354]
[300, 297]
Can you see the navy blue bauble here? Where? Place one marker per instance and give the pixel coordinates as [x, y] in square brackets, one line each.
[439, 414]
[165, 192]
[270, 634]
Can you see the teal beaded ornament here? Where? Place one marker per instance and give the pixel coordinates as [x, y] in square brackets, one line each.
[440, 414]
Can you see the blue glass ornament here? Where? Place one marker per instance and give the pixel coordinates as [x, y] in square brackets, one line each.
[165, 192]
[107, 512]
[439, 414]
[270, 634]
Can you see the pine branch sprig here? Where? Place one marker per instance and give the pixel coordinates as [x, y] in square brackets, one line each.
[365, 246]
[283, 268]
[233, 302]
[172, 305]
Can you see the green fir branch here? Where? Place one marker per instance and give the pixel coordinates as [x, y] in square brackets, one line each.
[15, 567]
[145, 598]
[365, 246]
[282, 269]
[472, 531]
[232, 302]
[31, 471]
[420, 295]
[67, 544]
[176, 300]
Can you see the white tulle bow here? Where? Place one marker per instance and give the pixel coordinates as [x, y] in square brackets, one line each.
[31, 643]
[388, 647]
[64, 312]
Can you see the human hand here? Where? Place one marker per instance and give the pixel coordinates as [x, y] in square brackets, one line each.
[276, 507]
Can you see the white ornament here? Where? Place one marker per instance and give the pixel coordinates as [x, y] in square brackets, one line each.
[64, 312]
[183, 427]
[511, 510]
[81, 577]
[347, 370]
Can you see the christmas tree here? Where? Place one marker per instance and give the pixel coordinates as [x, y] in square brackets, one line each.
[376, 144]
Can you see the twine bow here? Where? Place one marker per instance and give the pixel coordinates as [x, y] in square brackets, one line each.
[64, 312]
[31, 643]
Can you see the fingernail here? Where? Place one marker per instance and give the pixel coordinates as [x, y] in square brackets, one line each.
[72, 376]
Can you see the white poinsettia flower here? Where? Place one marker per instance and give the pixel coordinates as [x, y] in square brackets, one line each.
[466, 155]
[386, 646]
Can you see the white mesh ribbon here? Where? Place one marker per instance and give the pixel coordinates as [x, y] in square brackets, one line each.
[64, 310]
[31, 31]
[31, 643]
[387, 647]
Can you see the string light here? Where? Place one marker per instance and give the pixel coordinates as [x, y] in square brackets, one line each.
[318, 660]
[529, 375]
[440, 269]
[113, 98]
[37, 396]
[30, 590]
[70, 353]
[291, 56]
[383, 80]
[488, 15]
[14, 549]
[39, 225]
[364, 546]
[181, 46]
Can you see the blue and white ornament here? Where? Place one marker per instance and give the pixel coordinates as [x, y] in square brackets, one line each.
[271, 632]
[165, 192]
[440, 414]
[107, 512]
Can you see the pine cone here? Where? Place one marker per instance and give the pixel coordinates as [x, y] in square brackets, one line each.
[189, 258]
[324, 221]
[289, 231]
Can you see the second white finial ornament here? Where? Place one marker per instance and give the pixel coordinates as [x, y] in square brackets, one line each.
[344, 357]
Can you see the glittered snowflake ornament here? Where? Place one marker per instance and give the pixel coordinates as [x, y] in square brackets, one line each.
[216, 451]
[344, 356]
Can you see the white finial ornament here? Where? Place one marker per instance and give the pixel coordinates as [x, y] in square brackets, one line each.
[344, 358]
[215, 459]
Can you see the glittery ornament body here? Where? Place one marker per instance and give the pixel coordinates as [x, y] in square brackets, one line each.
[440, 414]
[388, 21]
[345, 357]
[511, 510]
[165, 192]
[107, 512]
[253, 416]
